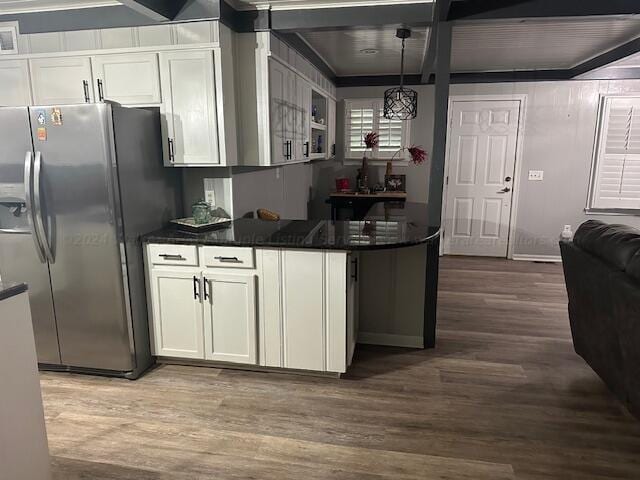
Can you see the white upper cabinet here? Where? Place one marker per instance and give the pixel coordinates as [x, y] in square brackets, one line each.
[129, 79]
[230, 318]
[61, 80]
[331, 128]
[302, 108]
[280, 110]
[15, 84]
[189, 108]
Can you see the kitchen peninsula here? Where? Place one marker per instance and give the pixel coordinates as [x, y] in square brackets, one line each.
[284, 294]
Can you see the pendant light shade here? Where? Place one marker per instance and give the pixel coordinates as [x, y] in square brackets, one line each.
[401, 103]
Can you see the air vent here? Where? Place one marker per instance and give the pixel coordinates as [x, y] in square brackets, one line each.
[8, 39]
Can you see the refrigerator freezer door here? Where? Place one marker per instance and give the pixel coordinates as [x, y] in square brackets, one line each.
[19, 262]
[19, 259]
[82, 219]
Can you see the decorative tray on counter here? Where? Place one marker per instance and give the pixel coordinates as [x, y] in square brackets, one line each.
[189, 225]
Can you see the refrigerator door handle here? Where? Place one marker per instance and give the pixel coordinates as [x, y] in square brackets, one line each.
[28, 172]
[37, 210]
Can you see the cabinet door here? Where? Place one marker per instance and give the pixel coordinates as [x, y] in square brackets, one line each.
[129, 79]
[189, 108]
[303, 309]
[61, 80]
[15, 84]
[331, 127]
[280, 112]
[230, 318]
[178, 329]
[302, 118]
[352, 305]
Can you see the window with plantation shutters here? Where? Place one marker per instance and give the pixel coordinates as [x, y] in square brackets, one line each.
[364, 116]
[616, 170]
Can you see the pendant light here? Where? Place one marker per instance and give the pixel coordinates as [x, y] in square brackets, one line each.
[401, 103]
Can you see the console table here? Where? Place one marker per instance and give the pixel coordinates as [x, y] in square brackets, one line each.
[360, 203]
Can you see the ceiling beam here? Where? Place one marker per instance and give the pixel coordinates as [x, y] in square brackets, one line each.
[314, 19]
[440, 13]
[106, 17]
[158, 10]
[456, 78]
[505, 9]
[606, 58]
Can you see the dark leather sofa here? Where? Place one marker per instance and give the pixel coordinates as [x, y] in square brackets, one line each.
[602, 273]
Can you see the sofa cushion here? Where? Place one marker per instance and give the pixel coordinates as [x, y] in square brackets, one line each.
[615, 244]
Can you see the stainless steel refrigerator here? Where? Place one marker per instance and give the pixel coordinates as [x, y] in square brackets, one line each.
[79, 184]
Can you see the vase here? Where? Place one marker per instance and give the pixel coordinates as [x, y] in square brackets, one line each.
[364, 175]
[389, 170]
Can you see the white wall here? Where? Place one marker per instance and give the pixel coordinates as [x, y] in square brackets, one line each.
[560, 125]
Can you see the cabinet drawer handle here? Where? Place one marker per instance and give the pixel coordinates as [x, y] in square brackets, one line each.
[171, 152]
[228, 259]
[196, 288]
[100, 91]
[168, 256]
[206, 283]
[85, 87]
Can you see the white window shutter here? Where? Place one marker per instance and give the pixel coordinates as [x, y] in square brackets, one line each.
[617, 168]
[364, 116]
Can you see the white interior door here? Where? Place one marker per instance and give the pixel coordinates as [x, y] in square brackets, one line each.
[481, 161]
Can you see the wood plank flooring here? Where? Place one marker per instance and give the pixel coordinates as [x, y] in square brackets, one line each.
[503, 396]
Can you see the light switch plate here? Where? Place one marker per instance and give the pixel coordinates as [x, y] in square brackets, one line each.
[210, 192]
[536, 175]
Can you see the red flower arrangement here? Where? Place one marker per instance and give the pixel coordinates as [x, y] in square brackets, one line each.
[371, 140]
[418, 155]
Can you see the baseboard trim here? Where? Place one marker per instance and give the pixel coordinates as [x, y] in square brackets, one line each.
[537, 258]
[390, 340]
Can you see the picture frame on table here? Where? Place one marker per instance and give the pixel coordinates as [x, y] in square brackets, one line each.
[395, 183]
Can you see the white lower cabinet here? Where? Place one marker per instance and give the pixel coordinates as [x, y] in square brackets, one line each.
[293, 309]
[230, 318]
[177, 327]
[304, 309]
[303, 316]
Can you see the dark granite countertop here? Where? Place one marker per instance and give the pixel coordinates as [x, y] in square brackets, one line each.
[11, 289]
[387, 225]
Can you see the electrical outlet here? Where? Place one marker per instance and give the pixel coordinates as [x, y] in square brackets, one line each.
[536, 175]
[210, 191]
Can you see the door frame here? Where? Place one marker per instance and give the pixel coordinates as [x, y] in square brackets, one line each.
[522, 98]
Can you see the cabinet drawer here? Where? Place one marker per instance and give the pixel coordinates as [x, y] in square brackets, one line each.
[186, 255]
[228, 257]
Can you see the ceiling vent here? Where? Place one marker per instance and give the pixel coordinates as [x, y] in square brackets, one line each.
[8, 38]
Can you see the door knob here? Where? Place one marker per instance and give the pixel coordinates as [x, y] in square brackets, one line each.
[507, 179]
[504, 190]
